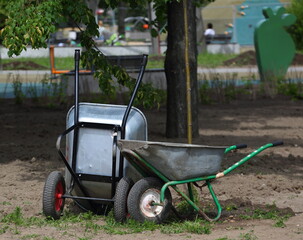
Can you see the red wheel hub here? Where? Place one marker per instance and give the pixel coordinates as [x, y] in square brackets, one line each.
[58, 196]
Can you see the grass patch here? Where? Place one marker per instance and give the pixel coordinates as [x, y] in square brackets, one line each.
[90, 224]
[248, 236]
[67, 63]
[271, 212]
[213, 60]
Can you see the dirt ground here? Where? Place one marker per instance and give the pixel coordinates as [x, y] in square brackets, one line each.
[275, 177]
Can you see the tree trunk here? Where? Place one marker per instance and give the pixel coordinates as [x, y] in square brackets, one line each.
[122, 10]
[175, 70]
[200, 31]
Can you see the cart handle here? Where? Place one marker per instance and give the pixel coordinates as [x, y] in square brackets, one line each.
[277, 143]
[237, 146]
[249, 156]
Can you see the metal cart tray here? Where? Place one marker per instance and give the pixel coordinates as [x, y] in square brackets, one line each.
[177, 161]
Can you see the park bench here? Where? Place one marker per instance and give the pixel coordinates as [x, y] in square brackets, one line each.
[131, 63]
[218, 39]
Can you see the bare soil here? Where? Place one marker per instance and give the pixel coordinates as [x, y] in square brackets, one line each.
[248, 58]
[23, 65]
[275, 177]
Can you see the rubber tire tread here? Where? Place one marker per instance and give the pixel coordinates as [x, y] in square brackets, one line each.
[134, 197]
[120, 204]
[49, 190]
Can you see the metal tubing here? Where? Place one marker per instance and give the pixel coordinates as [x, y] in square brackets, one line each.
[190, 191]
[76, 109]
[190, 201]
[233, 147]
[131, 101]
[172, 183]
[219, 208]
[114, 162]
[77, 60]
[88, 198]
[129, 106]
[245, 159]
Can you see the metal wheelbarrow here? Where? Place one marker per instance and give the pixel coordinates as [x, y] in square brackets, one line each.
[93, 163]
[166, 165]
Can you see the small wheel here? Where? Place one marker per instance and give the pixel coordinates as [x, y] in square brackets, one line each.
[144, 199]
[54, 188]
[120, 204]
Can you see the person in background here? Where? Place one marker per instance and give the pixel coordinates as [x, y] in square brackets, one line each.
[209, 31]
[72, 37]
[101, 31]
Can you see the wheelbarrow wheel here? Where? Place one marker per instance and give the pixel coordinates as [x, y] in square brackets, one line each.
[54, 188]
[143, 201]
[120, 204]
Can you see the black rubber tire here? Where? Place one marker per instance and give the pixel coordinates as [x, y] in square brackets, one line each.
[120, 204]
[145, 191]
[52, 203]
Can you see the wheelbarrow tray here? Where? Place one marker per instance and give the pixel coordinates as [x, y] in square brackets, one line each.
[176, 161]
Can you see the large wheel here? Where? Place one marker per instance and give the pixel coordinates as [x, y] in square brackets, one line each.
[144, 199]
[54, 188]
[120, 204]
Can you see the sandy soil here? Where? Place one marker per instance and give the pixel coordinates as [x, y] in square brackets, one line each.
[28, 155]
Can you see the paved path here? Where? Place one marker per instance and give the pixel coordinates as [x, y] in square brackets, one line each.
[34, 75]
[28, 78]
[241, 69]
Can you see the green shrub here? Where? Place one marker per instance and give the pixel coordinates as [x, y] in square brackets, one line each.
[296, 30]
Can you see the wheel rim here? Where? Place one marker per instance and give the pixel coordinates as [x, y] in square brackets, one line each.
[147, 201]
[58, 197]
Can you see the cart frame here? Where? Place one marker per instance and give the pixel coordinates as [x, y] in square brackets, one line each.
[113, 179]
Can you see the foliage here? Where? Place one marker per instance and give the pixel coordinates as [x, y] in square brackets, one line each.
[40, 18]
[90, 223]
[296, 30]
[34, 28]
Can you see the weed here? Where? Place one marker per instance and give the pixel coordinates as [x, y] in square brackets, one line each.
[30, 236]
[19, 95]
[204, 93]
[3, 229]
[48, 238]
[271, 213]
[217, 87]
[223, 238]
[183, 207]
[32, 92]
[131, 226]
[280, 223]
[231, 207]
[53, 93]
[290, 87]
[197, 226]
[15, 217]
[248, 236]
